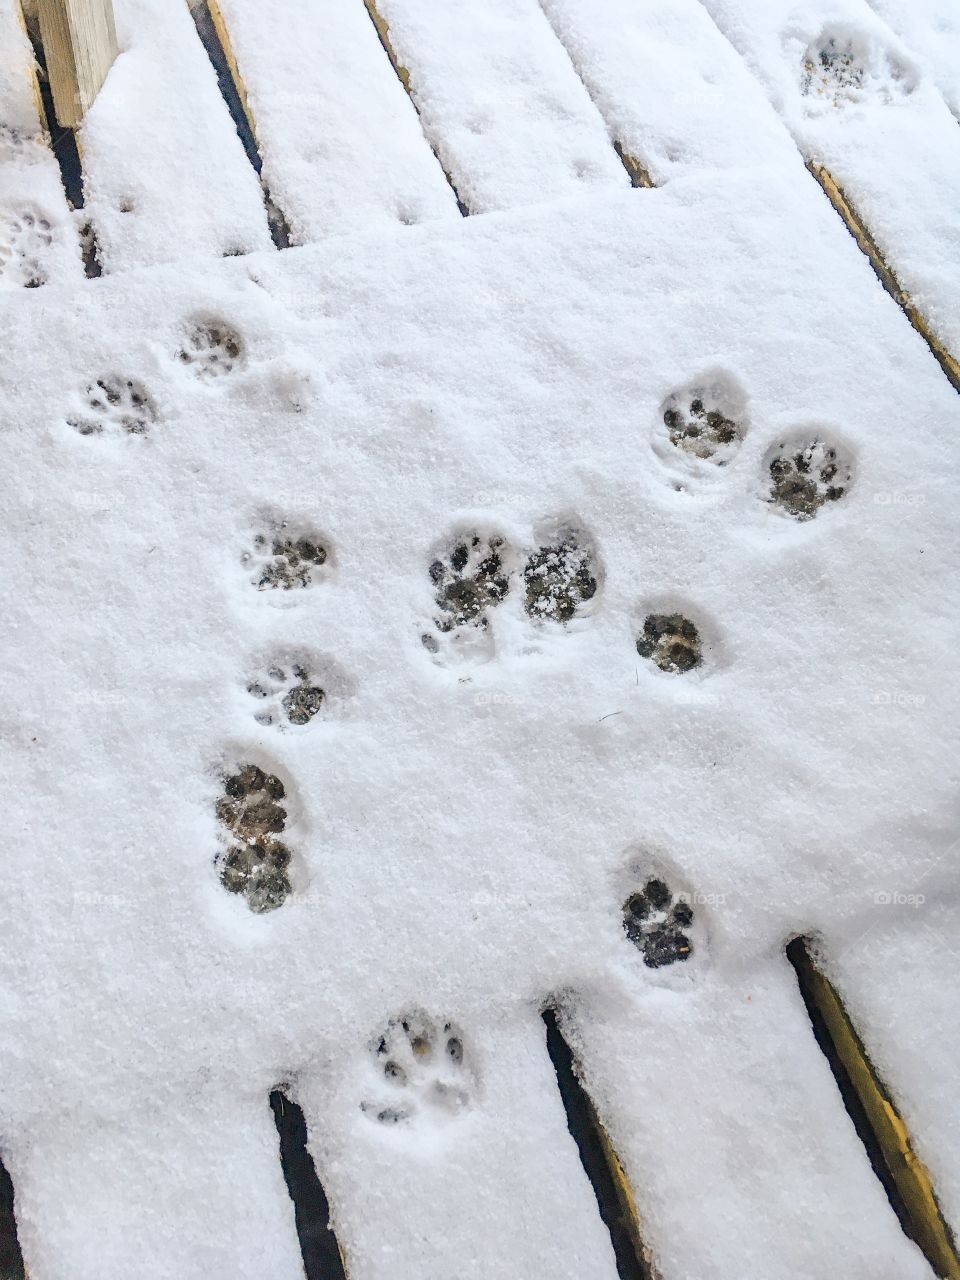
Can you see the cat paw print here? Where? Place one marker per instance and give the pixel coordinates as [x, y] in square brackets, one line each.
[844, 66]
[469, 580]
[25, 241]
[115, 405]
[671, 641]
[284, 559]
[286, 695]
[657, 924]
[805, 476]
[419, 1071]
[704, 425]
[213, 349]
[256, 862]
[560, 578]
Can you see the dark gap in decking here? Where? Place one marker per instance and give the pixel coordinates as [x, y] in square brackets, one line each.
[11, 1259]
[322, 1259]
[403, 75]
[870, 1108]
[213, 38]
[599, 1160]
[884, 273]
[63, 144]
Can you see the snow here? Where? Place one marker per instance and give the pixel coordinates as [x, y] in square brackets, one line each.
[466, 823]
[672, 90]
[931, 28]
[578, 399]
[343, 148]
[876, 122]
[510, 119]
[38, 239]
[165, 175]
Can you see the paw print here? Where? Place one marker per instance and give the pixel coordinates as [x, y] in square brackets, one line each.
[212, 350]
[25, 239]
[284, 561]
[655, 924]
[418, 1069]
[843, 67]
[559, 579]
[286, 695]
[114, 404]
[806, 476]
[702, 425]
[256, 863]
[469, 581]
[671, 641]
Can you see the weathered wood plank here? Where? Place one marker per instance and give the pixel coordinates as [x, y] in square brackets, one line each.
[80, 43]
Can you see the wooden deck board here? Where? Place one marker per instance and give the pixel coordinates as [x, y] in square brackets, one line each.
[330, 166]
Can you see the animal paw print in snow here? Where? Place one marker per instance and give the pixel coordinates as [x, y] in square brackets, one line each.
[256, 864]
[559, 579]
[285, 562]
[655, 924]
[699, 426]
[468, 582]
[288, 696]
[25, 239]
[422, 1069]
[212, 350]
[805, 477]
[671, 641]
[841, 68]
[113, 405]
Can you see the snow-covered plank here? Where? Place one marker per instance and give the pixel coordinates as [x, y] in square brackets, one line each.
[450, 1190]
[729, 1079]
[466, 818]
[675, 95]
[341, 144]
[870, 120]
[907, 933]
[500, 101]
[165, 175]
[39, 242]
[931, 31]
[184, 1187]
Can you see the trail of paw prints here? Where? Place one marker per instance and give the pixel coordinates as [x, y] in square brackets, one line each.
[844, 66]
[560, 578]
[211, 350]
[658, 925]
[286, 559]
[806, 475]
[420, 1070]
[114, 405]
[470, 578]
[256, 862]
[671, 642]
[25, 241]
[285, 695]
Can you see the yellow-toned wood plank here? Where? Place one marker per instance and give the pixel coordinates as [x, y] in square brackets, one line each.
[80, 42]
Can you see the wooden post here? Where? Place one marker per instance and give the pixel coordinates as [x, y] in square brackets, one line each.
[80, 43]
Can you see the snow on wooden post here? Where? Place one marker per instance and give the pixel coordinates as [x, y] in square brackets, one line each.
[80, 43]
